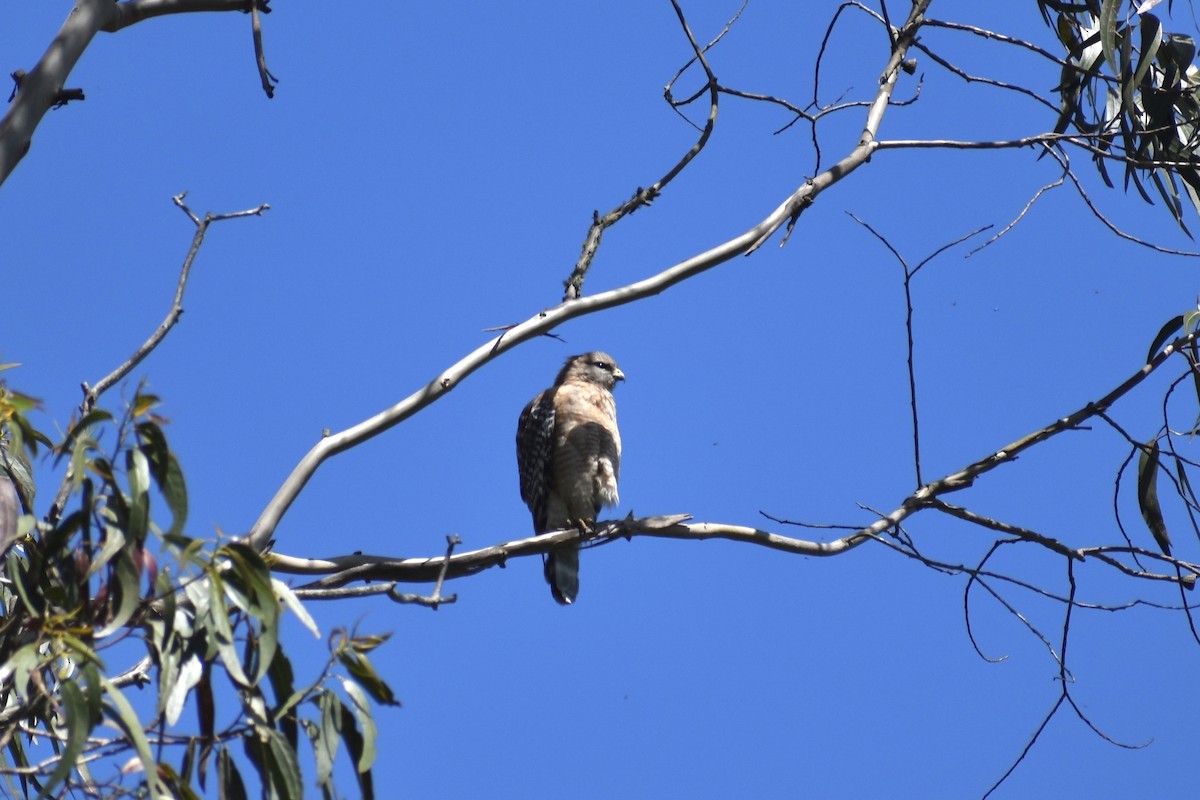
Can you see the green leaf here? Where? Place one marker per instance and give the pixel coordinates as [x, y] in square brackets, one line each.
[174, 490]
[78, 728]
[285, 593]
[178, 786]
[1148, 495]
[114, 542]
[276, 764]
[358, 665]
[249, 573]
[187, 676]
[80, 427]
[124, 593]
[138, 470]
[143, 403]
[1108, 33]
[122, 713]
[206, 705]
[94, 693]
[18, 570]
[325, 739]
[216, 616]
[166, 472]
[19, 759]
[1164, 334]
[138, 467]
[1151, 30]
[284, 767]
[231, 786]
[362, 711]
[286, 697]
[356, 747]
[1193, 356]
[22, 664]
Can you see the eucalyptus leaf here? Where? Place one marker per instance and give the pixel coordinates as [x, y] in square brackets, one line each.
[1148, 495]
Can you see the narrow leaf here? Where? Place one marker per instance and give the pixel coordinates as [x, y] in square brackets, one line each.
[356, 748]
[1164, 334]
[125, 592]
[284, 766]
[122, 713]
[362, 712]
[1151, 29]
[1108, 32]
[189, 675]
[1148, 495]
[230, 786]
[285, 593]
[78, 728]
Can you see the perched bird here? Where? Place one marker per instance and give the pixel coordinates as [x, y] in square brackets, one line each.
[569, 458]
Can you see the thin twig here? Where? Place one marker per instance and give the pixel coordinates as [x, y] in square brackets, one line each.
[1021, 216]
[644, 197]
[92, 393]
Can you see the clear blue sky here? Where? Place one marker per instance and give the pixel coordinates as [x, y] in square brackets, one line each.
[432, 169]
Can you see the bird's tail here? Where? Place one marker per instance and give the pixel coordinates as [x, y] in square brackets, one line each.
[562, 573]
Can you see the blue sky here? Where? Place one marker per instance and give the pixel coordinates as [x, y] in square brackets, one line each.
[432, 170]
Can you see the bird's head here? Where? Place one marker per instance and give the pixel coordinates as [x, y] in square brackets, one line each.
[594, 367]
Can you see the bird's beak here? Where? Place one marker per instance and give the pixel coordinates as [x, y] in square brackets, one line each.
[618, 375]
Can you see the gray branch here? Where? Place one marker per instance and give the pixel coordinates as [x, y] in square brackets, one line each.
[42, 87]
[546, 321]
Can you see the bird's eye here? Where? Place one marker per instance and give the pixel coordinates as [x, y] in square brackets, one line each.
[602, 365]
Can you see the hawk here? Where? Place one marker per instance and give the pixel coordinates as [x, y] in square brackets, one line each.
[569, 458]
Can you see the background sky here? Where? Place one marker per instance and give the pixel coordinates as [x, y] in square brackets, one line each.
[431, 170]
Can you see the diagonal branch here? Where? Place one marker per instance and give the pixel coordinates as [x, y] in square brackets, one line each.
[550, 319]
[40, 89]
[92, 393]
[644, 197]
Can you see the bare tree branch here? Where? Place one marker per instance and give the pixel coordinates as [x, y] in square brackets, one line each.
[549, 319]
[42, 87]
[644, 197]
[92, 393]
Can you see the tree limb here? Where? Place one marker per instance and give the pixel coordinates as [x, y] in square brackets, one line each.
[42, 87]
[549, 319]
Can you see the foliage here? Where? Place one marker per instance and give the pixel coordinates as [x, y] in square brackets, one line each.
[1130, 84]
[108, 576]
[101, 583]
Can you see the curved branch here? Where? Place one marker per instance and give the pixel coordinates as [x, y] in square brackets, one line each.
[39, 89]
[549, 319]
[42, 87]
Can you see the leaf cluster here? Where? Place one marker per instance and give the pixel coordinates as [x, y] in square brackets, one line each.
[104, 583]
[1130, 86]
